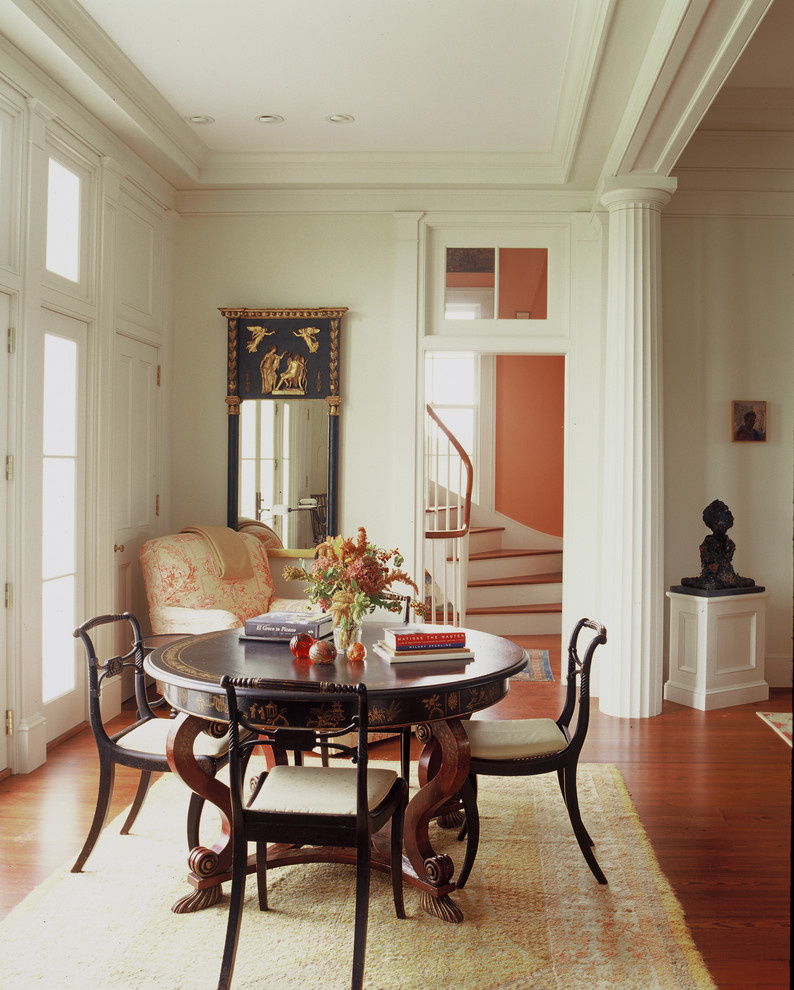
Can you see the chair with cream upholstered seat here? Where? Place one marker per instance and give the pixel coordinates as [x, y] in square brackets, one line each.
[141, 745]
[527, 747]
[307, 804]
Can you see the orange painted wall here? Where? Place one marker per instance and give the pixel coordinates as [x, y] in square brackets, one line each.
[529, 434]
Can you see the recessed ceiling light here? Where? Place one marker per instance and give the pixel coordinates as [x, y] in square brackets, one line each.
[270, 118]
[201, 119]
[340, 118]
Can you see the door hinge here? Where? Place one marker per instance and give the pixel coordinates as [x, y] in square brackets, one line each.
[9, 595]
[9, 467]
[158, 375]
[12, 340]
[157, 505]
[9, 722]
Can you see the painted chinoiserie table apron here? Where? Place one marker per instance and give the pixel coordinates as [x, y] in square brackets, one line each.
[431, 696]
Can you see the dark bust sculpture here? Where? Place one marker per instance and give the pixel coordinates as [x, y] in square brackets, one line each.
[716, 553]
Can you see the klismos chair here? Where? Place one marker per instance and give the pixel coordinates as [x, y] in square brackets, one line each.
[141, 745]
[531, 746]
[308, 804]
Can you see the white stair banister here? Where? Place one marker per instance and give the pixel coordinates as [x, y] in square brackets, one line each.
[449, 477]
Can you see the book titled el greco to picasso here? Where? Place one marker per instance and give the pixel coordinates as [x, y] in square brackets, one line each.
[285, 625]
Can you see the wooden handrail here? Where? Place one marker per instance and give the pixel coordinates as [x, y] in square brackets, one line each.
[445, 534]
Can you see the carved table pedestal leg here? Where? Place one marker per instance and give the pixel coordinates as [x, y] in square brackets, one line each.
[208, 867]
[444, 765]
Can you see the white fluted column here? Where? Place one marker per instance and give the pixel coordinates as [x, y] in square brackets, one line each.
[632, 549]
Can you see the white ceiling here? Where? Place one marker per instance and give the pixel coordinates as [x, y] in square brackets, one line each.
[543, 93]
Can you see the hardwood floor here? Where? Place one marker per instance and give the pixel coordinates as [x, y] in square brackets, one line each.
[712, 789]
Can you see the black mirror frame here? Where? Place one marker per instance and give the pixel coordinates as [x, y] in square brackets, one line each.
[326, 364]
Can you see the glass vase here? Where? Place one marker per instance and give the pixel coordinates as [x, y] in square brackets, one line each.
[346, 633]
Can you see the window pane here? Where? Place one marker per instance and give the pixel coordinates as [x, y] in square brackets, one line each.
[450, 379]
[469, 284]
[247, 429]
[63, 222]
[58, 518]
[57, 641]
[60, 396]
[523, 283]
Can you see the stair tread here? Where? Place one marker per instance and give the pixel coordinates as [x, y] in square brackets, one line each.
[552, 578]
[509, 552]
[516, 609]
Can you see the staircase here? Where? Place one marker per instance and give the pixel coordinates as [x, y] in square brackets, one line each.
[472, 578]
[512, 592]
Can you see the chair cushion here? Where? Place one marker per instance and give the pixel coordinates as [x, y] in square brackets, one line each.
[319, 790]
[150, 737]
[513, 739]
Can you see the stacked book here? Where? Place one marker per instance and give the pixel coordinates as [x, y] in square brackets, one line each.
[285, 625]
[411, 644]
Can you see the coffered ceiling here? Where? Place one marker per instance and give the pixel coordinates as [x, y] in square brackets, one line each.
[479, 93]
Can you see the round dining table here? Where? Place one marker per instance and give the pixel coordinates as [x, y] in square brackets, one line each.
[431, 696]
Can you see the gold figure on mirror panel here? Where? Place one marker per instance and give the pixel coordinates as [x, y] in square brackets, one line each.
[309, 336]
[268, 368]
[258, 335]
[293, 380]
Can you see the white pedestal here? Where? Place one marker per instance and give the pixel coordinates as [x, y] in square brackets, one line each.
[717, 648]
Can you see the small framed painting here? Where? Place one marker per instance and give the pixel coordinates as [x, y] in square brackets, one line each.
[748, 421]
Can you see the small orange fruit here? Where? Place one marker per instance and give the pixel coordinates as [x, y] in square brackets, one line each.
[356, 651]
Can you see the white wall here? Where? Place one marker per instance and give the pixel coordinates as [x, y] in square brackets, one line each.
[728, 305]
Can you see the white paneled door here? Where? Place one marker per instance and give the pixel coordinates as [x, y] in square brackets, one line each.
[136, 459]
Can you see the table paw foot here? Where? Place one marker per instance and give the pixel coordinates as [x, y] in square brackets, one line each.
[198, 900]
[441, 907]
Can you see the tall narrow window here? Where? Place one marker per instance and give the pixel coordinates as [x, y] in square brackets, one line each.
[63, 221]
[452, 388]
[59, 517]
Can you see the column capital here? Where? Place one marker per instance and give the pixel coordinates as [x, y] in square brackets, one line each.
[649, 190]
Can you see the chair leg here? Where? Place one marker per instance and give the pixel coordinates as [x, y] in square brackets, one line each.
[261, 874]
[561, 779]
[107, 773]
[194, 809]
[405, 753]
[582, 837]
[363, 867]
[397, 824]
[236, 901]
[468, 796]
[140, 796]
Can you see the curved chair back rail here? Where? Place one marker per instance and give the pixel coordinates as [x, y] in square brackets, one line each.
[301, 804]
[527, 747]
[141, 745]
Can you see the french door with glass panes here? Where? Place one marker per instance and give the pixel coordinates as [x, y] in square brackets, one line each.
[61, 516]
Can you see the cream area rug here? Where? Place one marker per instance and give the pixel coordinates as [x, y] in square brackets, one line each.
[535, 917]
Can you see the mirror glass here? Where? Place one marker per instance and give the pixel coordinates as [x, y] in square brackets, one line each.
[473, 276]
[284, 467]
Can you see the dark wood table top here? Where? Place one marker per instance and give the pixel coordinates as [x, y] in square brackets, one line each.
[188, 674]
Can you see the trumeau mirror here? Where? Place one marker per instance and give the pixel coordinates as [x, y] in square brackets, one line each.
[282, 396]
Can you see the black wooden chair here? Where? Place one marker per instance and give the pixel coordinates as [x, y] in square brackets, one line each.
[526, 747]
[308, 805]
[141, 745]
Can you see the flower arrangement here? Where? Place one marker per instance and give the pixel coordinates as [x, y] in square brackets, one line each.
[353, 577]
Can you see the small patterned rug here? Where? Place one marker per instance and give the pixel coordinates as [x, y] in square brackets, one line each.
[538, 667]
[780, 722]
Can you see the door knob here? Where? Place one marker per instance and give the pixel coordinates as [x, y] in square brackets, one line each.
[117, 548]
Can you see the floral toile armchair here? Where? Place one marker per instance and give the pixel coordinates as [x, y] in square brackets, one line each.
[207, 578]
